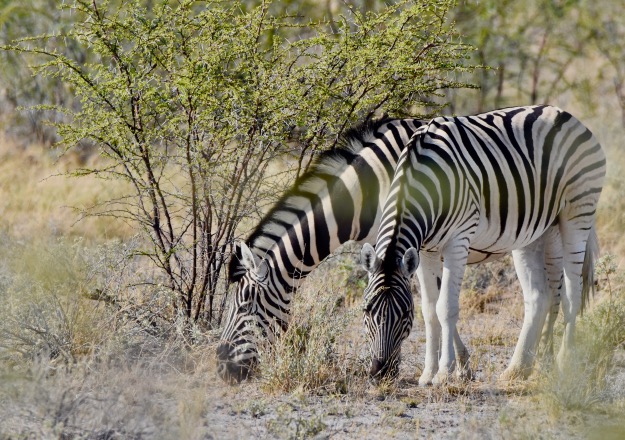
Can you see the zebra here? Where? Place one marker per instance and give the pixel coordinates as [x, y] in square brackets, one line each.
[522, 179]
[337, 200]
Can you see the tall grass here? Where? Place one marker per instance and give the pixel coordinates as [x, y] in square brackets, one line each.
[584, 382]
[59, 299]
[82, 354]
[317, 353]
[42, 308]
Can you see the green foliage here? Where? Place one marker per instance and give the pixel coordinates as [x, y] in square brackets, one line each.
[606, 27]
[23, 19]
[192, 101]
[533, 46]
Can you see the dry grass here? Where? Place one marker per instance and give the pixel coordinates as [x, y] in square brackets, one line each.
[37, 200]
[142, 385]
[313, 355]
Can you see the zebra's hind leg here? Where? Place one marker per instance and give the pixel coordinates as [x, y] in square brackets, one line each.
[579, 244]
[429, 273]
[529, 263]
[553, 267]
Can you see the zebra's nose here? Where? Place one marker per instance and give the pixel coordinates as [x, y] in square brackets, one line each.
[377, 368]
[233, 373]
[229, 370]
[223, 351]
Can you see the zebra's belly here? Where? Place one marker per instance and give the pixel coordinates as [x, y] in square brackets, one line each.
[494, 241]
[477, 256]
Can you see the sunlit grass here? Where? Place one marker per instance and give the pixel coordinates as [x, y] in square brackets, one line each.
[315, 354]
[37, 199]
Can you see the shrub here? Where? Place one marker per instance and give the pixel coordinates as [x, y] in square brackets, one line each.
[192, 101]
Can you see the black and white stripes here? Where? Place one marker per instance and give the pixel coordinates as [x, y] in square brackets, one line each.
[340, 199]
[524, 179]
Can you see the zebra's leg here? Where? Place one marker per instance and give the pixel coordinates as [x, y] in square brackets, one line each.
[529, 263]
[462, 355]
[553, 266]
[429, 273]
[579, 244]
[447, 308]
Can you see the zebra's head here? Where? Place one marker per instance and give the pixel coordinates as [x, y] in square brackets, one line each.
[388, 308]
[247, 318]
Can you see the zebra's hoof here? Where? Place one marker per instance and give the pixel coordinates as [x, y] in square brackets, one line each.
[441, 378]
[465, 374]
[426, 379]
[512, 374]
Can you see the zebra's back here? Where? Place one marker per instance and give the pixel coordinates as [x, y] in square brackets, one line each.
[516, 168]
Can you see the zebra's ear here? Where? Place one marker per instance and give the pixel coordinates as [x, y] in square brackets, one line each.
[248, 259]
[410, 261]
[369, 258]
[235, 268]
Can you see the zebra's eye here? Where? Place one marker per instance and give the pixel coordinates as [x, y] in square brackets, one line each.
[246, 307]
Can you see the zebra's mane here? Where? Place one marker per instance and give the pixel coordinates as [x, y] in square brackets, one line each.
[389, 246]
[329, 163]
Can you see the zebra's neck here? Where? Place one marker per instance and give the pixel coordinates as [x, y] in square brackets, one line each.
[336, 201]
[394, 237]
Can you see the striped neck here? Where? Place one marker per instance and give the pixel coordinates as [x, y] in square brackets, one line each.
[400, 229]
[336, 201]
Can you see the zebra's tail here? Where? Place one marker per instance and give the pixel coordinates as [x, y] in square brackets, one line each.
[588, 268]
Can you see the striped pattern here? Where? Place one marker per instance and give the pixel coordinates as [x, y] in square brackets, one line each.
[338, 200]
[524, 179]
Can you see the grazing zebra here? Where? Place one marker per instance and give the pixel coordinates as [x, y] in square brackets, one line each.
[524, 179]
[338, 200]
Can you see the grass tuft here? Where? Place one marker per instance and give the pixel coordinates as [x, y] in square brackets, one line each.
[43, 311]
[312, 354]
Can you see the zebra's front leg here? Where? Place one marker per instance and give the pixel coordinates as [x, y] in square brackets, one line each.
[447, 307]
[530, 267]
[429, 274]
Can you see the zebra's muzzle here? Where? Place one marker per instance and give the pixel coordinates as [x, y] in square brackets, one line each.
[231, 371]
[384, 369]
